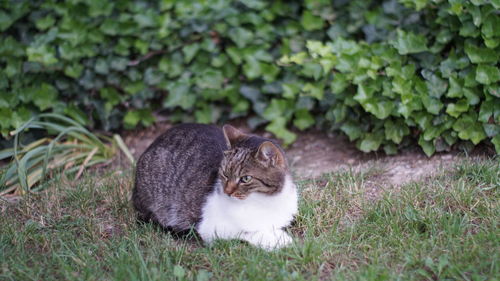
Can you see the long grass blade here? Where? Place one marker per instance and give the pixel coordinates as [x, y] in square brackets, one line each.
[51, 146]
[124, 148]
[72, 149]
[85, 162]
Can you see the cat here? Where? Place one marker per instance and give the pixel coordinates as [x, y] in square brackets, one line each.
[224, 183]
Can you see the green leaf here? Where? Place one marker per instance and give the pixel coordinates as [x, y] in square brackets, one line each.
[455, 89]
[210, 79]
[487, 74]
[133, 88]
[486, 111]
[252, 68]
[409, 43]
[303, 119]
[172, 67]
[241, 36]
[380, 108]
[45, 22]
[455, 109]
[153, 76]
[190, 51]
[480, 55]
[496, 141]
[219, 61]
[133, 117]
[5, 118]
[436, 86]
[74, 70]
[311, 22]
[390, 149]
[339, 83]
[145, 20]
[433, 132]
[142, 46]
[315, 90]
[313, 70]
[471, 95]
[427, 146]
[101, 66]
[453, 63]
[432, 105]
[491, 130]
[111, 96]
[277, 108]
[235, 54]
[492, 43]
[290, 90]
[100, 8]
[371, 142]
[44, 96]
[269, 71]
[352, 130]
[365, 92]
[179, 95]
[278, 128]
[343, 46]
[395, 131]
[43, 54]
[423, 119]
[317, 48]
[250, 93]
[118, 63]
[76, 114]
[469, 129]
[206, 114]
[20, 116]
[5, 20]
[494, 90]
[490, 26]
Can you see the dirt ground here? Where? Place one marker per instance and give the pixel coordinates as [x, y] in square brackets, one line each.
[316, 153]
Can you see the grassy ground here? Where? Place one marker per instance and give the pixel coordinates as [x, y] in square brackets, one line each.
[446, 227]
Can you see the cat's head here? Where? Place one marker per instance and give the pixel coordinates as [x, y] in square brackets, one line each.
[251, 164]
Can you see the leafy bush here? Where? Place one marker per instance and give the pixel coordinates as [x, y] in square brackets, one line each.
[436, 80]
[428, 69]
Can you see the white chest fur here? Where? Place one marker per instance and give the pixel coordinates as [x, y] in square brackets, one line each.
[258, 219]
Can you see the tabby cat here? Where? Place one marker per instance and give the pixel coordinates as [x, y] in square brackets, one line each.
[224, 183]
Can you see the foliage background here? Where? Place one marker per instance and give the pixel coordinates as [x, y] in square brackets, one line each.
[386, 73]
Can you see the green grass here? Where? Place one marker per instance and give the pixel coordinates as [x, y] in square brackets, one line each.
[446, 227]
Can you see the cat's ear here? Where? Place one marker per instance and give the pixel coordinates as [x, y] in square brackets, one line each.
[232, 135]
[270, 154]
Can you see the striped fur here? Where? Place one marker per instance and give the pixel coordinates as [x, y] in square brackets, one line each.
[189, 163]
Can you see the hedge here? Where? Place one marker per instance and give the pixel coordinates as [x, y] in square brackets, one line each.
[386, 73]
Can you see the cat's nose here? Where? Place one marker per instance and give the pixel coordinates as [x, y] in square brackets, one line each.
[230, 188]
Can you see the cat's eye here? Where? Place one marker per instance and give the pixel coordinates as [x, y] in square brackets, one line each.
[245, 179]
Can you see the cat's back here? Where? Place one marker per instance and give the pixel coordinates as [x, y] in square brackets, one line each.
[176, 172]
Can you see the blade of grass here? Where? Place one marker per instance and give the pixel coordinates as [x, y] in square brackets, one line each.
[124, 148]
[31, 163]
[51, 146]
[9, 152]
[87, 159]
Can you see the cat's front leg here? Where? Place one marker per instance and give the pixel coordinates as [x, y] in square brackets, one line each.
[269, 240]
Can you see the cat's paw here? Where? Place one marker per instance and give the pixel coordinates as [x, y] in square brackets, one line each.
[269, 240]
